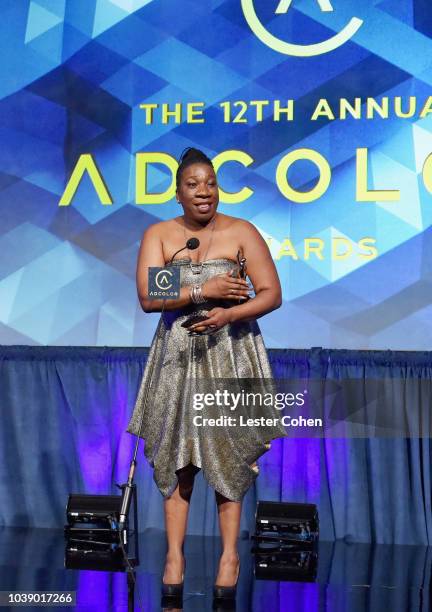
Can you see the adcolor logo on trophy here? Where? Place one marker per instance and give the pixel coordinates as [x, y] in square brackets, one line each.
[287, 48]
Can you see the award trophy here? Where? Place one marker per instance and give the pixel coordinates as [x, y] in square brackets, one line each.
[242, 270]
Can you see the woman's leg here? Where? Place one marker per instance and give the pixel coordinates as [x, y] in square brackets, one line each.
[229, 523]
[176, 508]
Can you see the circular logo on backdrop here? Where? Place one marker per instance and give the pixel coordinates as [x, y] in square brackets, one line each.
[281, 46]
[163, 280]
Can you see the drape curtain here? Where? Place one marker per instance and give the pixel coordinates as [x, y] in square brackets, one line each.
[64, 412]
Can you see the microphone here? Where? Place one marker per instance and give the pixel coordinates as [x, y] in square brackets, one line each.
[127, 489]
[191, 244]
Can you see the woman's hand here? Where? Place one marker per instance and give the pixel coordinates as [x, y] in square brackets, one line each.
[224, 286]
[216, 318]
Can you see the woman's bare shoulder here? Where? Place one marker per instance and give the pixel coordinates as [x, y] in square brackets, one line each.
[240, 226]
[234, 223]
[161, 229]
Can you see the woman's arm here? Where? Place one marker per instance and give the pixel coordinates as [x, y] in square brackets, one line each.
[151, 255]
[263, 275]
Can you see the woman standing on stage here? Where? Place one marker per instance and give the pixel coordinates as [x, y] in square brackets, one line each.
[226, 344]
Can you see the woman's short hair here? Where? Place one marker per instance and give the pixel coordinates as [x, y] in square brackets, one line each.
[187, 158]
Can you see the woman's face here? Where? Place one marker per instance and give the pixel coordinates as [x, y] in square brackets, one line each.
[198, 192]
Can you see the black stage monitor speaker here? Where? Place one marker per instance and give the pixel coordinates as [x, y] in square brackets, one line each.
[294, 565]
[283, 521]
[95, 536]
[98, 509]
[93, 556]
[94, 517]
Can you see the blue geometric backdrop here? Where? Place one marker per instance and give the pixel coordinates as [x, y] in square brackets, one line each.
[72, 78]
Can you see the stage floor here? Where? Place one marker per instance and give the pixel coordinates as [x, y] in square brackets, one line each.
[350, 577]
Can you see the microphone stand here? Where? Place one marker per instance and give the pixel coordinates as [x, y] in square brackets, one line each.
[128, 487]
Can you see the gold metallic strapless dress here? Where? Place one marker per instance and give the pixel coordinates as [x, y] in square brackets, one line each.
[234, 352]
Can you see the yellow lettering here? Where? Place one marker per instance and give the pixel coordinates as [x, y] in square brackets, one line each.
[242, 158]
[313, 245]
[343, 241]
[372, 107]
[226, 111]
[259, 104]
[363, 194]
[148, 110]
[142, 160]
[240, 118]
[287, 250]
[345, 107]
[427, 108]
[370, 250]
[195, 112]
[279, 110]
[412, 107]
[427, 173]
[176, 113]
[322, 109]
[303, 196]
[86, 163]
